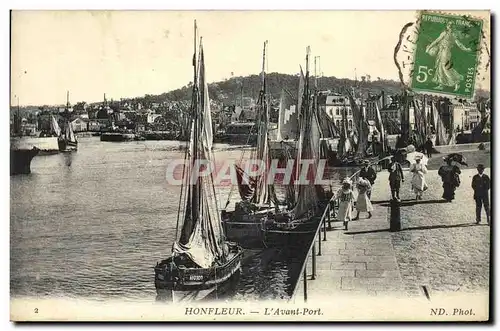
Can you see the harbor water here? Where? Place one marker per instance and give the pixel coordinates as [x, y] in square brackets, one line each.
[93, 224]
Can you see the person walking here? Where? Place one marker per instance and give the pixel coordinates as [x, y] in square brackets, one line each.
[368, 173]
[395, 176]
[449, 174]
[418, 183]
[481, 185]
[428, 146]
[363, 203]
[346, 199]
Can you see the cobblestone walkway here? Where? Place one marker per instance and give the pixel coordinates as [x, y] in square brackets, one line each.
[439, 247]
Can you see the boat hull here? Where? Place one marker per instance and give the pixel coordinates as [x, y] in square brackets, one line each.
[20, 160]
[116, 136]
[199, 282]
[245, 229]
[278, 234]
[236, 139]
[67, 146]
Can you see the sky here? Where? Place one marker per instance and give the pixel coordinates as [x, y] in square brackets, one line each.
[132, 53]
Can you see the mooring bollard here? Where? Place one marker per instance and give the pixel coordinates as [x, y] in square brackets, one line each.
[395, 223]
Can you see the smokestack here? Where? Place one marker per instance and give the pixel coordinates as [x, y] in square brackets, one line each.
[383, 99]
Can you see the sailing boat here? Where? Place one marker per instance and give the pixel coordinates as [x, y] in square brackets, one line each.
[295, 225]
[67, 139]
[203, 262]
[258, 198]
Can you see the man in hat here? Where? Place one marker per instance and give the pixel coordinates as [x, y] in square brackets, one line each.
[369, 174]
[428, 146]
[395, 176]
[481, 186]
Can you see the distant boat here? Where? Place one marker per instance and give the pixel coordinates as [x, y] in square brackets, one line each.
[202, 262]
[117, 136]
[67, 141]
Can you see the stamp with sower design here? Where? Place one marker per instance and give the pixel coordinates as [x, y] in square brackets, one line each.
[447, 54]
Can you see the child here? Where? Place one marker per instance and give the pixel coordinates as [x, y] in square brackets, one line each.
[395, 177]
[363, 203]
[346, 199]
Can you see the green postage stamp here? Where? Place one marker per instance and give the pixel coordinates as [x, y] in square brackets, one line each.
[447, 54]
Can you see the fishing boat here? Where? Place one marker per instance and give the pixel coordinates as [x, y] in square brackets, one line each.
[258, 197]
[297, 224]
[67, 141]
[202, 262]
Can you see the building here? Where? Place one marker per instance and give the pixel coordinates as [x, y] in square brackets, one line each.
[79, 124]
[333, 105]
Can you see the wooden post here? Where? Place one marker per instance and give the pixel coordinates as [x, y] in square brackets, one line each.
[324, 223]
[305, 284]
[314, 261]
[319, 242]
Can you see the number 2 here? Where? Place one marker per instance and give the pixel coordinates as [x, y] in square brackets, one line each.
[36, 310]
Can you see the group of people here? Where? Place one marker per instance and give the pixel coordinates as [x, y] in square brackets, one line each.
[367, 177]
[396, 176]
[449, 173]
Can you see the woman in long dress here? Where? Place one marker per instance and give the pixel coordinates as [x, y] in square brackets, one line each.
[363, 204]
[346, 199]
[445, 74]
[418, 183]
[451, 180]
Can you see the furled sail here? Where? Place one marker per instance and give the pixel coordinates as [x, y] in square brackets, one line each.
[201, 236]
[380, 127]
[55, 126]
[310, 134]
[362, 130]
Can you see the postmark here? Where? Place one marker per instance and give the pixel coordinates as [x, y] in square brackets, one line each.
[447, 54]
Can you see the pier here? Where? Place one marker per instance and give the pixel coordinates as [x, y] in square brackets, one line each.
[438, 249]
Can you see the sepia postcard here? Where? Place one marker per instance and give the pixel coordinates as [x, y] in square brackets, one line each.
[250, 165]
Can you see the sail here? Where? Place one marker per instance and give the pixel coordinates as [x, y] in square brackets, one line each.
[69, 135]
[310, 134]
[300, 98]
[362, 130]
[419, 115]
[202, 238]
[380, 126]
[54, 126]
[441, 137]
[287, 119]
[345, 146]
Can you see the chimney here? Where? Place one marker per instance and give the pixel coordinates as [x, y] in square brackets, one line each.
[383, 99]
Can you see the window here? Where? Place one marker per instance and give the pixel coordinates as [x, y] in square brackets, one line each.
[349, 111]
[337, 111]
[350, 124]
[337, 123]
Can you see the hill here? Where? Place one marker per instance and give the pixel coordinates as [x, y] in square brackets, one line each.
[230, 91]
